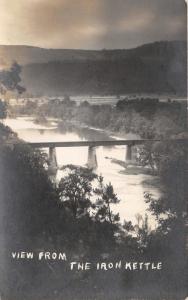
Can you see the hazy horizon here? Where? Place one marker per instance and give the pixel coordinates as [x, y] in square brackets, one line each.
[85, 49]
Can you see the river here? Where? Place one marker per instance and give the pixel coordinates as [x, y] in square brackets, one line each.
[130, 188]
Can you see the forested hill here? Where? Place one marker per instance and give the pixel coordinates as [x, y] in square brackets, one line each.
[159, 67]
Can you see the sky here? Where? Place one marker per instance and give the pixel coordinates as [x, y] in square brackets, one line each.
[91, 24]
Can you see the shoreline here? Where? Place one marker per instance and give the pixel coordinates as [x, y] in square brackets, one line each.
[111, 134]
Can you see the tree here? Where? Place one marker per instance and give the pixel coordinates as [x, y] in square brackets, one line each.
[75, 190]
[170, 209]
[10, 79]
[31, 202]
[143, 231]
[103, 203]
[147, 156]
[3, 109]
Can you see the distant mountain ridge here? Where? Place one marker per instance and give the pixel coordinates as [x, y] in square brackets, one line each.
[29, 54]
[158, 67]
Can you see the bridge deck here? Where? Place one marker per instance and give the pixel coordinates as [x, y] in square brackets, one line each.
[96, 143]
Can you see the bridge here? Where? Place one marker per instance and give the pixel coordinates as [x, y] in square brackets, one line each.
[92, 157]
[90, 143]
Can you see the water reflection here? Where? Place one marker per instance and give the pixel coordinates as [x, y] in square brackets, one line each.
[129, 187]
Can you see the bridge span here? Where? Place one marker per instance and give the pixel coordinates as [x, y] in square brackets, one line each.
[92, 145]
[92, 157]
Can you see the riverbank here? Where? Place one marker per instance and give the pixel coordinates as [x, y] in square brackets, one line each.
[112, 134]
[151, 180]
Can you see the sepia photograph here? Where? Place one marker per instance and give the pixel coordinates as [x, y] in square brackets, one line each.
[93, 150]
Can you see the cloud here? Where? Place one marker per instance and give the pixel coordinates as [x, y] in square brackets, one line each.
[91, 23]
[132, 24]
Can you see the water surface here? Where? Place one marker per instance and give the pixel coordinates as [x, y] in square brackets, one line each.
[129, 188]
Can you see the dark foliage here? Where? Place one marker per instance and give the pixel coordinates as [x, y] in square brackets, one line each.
[3, 109]
[10, 79]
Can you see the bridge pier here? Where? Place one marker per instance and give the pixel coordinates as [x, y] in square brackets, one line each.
[52, 166]
[128, 156]
[92, 158]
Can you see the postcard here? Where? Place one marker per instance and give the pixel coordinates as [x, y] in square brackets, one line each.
[93, 150]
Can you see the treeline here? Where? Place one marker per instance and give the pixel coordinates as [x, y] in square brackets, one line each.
[146, 117]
